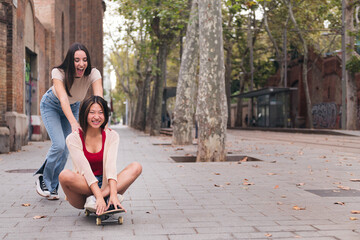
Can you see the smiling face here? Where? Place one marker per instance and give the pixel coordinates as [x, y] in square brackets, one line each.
[80, 63]
[96, 116]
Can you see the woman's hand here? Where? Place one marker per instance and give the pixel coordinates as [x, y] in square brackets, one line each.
[100, 206]
[75, 126]
[113, 200]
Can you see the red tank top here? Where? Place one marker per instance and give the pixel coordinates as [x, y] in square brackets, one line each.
[95, 159]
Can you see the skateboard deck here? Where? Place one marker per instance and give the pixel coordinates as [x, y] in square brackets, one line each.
[106, 215]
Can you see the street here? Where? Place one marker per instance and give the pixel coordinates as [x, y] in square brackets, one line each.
[304, 186]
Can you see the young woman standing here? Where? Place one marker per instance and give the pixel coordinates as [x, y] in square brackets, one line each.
[59, 109]
[95, 184]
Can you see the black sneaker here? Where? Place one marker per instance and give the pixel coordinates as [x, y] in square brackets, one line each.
[54, 195]
[41, 188]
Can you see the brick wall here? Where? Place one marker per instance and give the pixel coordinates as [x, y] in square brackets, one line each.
[56, 25]
[3, 46]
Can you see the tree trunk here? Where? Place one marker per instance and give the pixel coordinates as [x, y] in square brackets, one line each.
[228, 70]
[305, 63]
[239, 105]
[211, 105]
[185, 94]
[158, 90]
[351, 89]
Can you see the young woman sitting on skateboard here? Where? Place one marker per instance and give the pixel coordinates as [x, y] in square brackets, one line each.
[95, 184]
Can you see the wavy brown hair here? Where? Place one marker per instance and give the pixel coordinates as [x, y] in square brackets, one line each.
[69, 68]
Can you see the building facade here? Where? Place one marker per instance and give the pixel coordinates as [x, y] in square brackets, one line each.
[34, 37]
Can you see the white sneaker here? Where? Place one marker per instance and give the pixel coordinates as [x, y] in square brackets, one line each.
[41, 187]
[90, 203]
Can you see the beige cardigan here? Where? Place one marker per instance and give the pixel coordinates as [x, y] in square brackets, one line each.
[81, 164]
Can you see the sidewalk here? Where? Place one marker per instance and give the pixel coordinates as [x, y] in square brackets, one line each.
[269, 199]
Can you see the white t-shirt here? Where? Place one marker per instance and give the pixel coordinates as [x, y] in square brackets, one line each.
[80, 86]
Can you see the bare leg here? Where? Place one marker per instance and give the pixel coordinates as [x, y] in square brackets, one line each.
[125, 178]
[75, 188]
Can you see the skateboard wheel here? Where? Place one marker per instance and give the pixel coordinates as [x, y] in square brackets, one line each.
[87, 213]
[98, 221]
[120, 220]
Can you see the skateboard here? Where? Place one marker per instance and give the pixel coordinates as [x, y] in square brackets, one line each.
[106, 215]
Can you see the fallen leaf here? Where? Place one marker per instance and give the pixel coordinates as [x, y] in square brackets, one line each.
[178, 149]
[26, 204]
[339, 203]
[276, 187]
[279, 203]
[217, 173]
[355, 180]
[180, 165]
[216, 185]
[271, 174]
[353, 218]
[227, 183]
[244, 159]
[248, 183]
[355, 212]
[268, 235]
[39, 217]
[298, 208]
[148, 212]
[283, 196]
[344, 187]
[300, 184]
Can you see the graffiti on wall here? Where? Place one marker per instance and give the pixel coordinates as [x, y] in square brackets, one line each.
[324, 115]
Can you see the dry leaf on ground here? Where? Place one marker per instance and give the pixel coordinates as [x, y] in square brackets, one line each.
[353, 218]
[355, 212]
[244, 159]
[248, 183]
[26, 204]
[300, 184]
[268, 235]
[355, 180]
[339, 203]
[344, 187]
[276, 187]
[39, 217]
[298, 208]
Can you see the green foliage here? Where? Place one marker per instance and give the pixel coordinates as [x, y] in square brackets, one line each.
[353, 65]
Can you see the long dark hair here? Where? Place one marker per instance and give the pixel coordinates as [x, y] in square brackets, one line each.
[85, 109]
[68, 65]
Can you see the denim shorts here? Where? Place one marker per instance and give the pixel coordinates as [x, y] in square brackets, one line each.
[99, 178]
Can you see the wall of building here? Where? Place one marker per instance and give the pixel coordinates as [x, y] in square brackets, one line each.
[324, 80]
[34, 37]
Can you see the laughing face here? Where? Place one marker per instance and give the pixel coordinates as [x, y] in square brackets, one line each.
[80, 62]
[96, 116]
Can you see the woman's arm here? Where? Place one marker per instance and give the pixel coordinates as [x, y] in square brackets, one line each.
[100, 202]
[113, 199]
[98, 88]
[65, 104]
